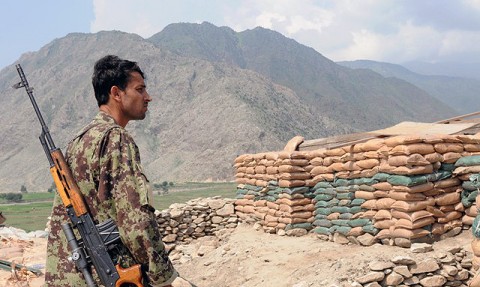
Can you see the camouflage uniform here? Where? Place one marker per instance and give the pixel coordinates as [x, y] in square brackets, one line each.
[105, 162]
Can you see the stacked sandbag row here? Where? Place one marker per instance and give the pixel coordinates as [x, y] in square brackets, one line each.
[275, 208]
[337, 210]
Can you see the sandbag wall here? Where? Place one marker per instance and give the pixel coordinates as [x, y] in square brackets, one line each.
[399, 187]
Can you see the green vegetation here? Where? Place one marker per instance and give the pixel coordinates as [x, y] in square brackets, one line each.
[34, 209]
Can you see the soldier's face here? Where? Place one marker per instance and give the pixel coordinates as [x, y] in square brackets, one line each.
[135, 99]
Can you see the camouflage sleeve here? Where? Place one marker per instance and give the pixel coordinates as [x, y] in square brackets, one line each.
[120, 169]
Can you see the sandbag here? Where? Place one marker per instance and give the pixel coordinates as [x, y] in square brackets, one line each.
[409, 234]
[468, 161]
[412, 205]
[407, 224]
[411, 216]
[447, 198]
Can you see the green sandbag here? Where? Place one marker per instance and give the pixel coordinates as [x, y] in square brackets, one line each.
[439, 175]
[322, 223]
[323, 197]
[340, 209]
[381, 176]
[343, 229]
[349, 188]
[355, 209]
[476, 227]
[364, 181]
[348, 195]
[322, 184]
[447, 166]
[407, 180]
[347, 215]
[322, 230]
[307, 226]
[468, 197]
[358, 201]
[341, 182]
[359, 222]
[323, 210]
[340, 222]
[470, 185]
[322, 203]
[367, 188]
[329, 190]
[468, 161]
[370, 229]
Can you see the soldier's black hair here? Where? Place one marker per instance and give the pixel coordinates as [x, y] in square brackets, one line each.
[111, 71]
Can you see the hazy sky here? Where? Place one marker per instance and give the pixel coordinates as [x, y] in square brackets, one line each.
[383, 30]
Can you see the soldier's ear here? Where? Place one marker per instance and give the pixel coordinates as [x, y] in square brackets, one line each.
[115, 93]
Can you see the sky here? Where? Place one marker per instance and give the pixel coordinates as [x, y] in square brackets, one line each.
[394, 31]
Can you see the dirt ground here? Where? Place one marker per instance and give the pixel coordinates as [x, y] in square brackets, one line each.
[246, 257]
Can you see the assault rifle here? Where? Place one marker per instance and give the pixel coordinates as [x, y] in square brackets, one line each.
[97, 241]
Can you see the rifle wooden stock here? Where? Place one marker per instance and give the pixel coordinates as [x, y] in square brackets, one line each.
[66, 184]
[131, 275]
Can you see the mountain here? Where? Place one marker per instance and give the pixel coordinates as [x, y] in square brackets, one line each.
[459, 93]
[459, 70]
[339, 93]
[205, 111]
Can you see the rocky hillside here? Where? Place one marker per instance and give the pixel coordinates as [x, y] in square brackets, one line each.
[205, 111]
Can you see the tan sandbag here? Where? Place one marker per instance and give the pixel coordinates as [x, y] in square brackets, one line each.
[335, 152]
[385, 167]
[470, 139]
[369, 214]
[260, 182]
[381, 193]
[317, 161]
[467, 169]
[327, 161]
[450, 216]
[476, 246]
[324, 177]
[407, 224]
[294, 202]
[460, 207]
[420, 148]
[302, 214]
[333, 216]
[434, 157]
[409, 234]
[382, 186]
[398, 160]
[406, 196]
[260, 169]
[447, 208]
[383, 215]
[449, 182]
[412, 205]
[337, 166]
[362, 194]
[467, 220]
[411, 216]
[447, 198]
[448, 147]
[272, 170]
[414, 170]
[320, 170]
[414, 189]
[299, 162]
[295, 176]
[369, 172]
[293, 144]
[291, 183]
[368, 163]
[453, 224]
[356, 231]
[290, 168]
[250, 170]
[248, 209]
[472, 147]
[384, 224]
[472, 211]
[351, 166]
[383, 234]
[385, 203]
[433, 138]
[370, 204]
[417, 159]
[438, 229]
[317, 153]
[370, 155]
[403, 140]
[372, 145]
[451, 157]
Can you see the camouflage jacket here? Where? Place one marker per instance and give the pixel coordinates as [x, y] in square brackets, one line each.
[105, 162]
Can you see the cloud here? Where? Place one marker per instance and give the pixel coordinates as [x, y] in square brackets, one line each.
[391, 31]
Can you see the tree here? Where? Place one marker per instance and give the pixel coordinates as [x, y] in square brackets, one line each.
[52, 188]
[23, 189]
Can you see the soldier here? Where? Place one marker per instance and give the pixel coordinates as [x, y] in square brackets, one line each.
[105, 162]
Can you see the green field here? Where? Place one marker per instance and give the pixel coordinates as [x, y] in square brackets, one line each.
[32, 213]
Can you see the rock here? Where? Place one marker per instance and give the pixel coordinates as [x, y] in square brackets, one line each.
[176, 213]
[450, 270]
[421, 247]
[371, 277]
[366, 239]
[393, 279]
[433, 281]
[169, 238]
[216, 204]
[404, 260]
[403, 242]
[340, 238]
[402, 270]
[297, 232]
[412, 280]
[226, 210]
[462, 275]
[380, 265]
[425, 266]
